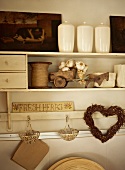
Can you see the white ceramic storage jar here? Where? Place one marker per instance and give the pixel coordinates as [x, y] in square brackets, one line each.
[120, 71]
[84, 38]
[66, 35]
[102, 38]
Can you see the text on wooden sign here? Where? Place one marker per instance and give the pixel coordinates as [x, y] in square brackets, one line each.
[18, 107]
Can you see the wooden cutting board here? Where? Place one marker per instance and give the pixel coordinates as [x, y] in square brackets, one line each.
[30, 155]
[60, 162]
[80, 163]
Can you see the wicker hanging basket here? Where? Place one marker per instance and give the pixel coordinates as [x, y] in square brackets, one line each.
[39, 74]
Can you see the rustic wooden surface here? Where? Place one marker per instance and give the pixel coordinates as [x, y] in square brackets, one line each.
[42, 107]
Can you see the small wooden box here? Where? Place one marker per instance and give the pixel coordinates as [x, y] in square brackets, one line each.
[12, 62]
[12, 80]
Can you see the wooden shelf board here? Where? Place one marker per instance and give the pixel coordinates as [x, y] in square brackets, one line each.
[48, 116]
[60, 54]
[62, 89]
[54, 135]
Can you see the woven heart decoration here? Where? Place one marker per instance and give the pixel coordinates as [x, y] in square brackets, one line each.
[112, 110]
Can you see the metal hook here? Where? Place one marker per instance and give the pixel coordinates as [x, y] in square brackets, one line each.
[67, 118]
[28, 122]
[28, 119]
[67, 122]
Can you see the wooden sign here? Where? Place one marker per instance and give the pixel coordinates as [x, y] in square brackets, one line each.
[18, 107]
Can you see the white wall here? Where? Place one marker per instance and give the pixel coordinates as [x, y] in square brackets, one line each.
[110, 154]
[74, 11]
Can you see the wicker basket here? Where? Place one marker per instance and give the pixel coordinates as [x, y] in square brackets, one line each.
[39, 74]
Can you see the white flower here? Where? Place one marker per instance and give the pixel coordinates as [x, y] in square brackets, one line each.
[70, 63]
[65, 69]
[62, 64]
[80, 65]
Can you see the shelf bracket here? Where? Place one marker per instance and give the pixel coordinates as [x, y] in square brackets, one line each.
[9, 128]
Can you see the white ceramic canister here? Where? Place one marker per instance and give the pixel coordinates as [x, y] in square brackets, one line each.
[102, 38]
[120, 72]
[84, 38]
[66, 35]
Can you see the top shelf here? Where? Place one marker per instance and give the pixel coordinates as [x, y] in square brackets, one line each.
[62, 54]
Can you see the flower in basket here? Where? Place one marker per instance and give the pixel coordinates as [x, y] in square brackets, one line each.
[62, 64]
[70, 63]
[80, 65]
[66, 66]
[81, 70]
[65, 69]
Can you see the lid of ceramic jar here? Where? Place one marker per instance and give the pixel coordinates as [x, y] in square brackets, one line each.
[66, 23]
[85, 24]
[102, 25]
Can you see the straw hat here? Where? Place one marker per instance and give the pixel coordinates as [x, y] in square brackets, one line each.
[78, 163]
[60, 162]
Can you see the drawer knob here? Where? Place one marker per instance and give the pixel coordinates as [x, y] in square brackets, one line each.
[6, 62]
[7, 80]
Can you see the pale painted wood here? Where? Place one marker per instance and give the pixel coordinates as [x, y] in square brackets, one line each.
[48, 115]
[76, 54]
[13, 71]
[8, 112]
[3, 117]
[25, 107]
[61, 90]
[61, 54]
[12, 62]
[20, 80]
[54, 135]
[12, 80]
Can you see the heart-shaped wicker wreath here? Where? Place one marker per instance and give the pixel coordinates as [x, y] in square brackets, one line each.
[112, 110]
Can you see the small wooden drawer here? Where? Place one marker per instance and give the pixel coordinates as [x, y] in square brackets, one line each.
[12, 80]
[12, 62]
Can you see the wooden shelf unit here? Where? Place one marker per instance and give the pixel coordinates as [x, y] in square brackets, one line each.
[24, 88]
